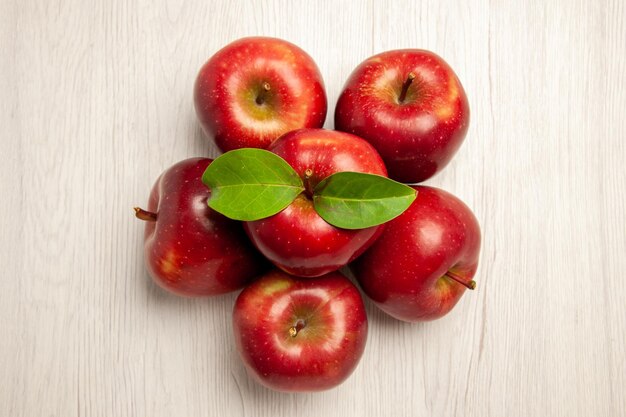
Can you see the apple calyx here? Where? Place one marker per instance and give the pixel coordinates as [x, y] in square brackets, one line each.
[293, 330]
[405, 87]
[455, 277]
[260, 99]
[145, 215]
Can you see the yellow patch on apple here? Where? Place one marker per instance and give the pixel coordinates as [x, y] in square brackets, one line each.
[277, 286]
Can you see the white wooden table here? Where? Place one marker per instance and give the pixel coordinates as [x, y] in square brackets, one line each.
[96, 100]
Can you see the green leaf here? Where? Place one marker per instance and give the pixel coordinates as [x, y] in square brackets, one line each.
[353, 200]
[250, 184]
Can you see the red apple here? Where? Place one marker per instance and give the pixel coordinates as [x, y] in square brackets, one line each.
[189, 248]
[411, 106]
[297, 334]
[255, 89]
[425, 259]
[297, 239]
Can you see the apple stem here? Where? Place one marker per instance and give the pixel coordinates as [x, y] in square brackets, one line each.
[145, 215]
[469, 285]
[405, 87]
[293, 331]
[260, 99]
[308, 173]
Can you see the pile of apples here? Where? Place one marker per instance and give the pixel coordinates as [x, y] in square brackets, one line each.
[299, 323]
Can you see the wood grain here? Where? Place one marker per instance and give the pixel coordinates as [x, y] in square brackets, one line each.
[95, 101]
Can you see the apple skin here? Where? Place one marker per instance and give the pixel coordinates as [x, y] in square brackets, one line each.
[419, 136]
[190, 249]
[404, 271]
[229, 85]
[298, 240]
[298, 334]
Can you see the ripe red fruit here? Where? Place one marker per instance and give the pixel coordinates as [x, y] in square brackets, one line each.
[425, 259]
[297, 239]
[411, 106]
[255, 89]
[297, 334]
[190, 249]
